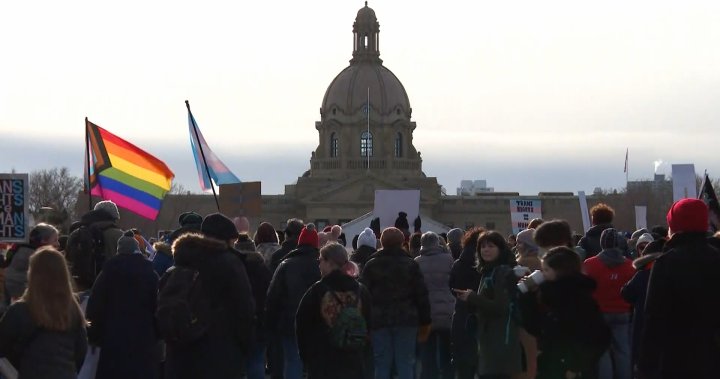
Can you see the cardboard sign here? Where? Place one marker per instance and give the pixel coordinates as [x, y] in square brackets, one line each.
[14, 210]
[241, 199]
[522, 212]
[640, 217]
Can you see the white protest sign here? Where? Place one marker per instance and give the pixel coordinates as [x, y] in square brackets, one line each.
[389, 203]
[522, 212]
[640, 217]
[584, 210]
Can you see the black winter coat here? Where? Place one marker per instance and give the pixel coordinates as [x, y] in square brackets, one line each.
[399, 294]
[225, 281]
[291, 280]
[362, 255]
[682, 312]
[278, 256]
[572, 334]
[635, 293]
[317, 311]
[464, 275]
[38, 353]
[121, 312]
[591, 241]
[259, 275]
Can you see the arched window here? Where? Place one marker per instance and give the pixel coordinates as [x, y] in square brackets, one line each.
[366, 144]
[398, 145]
[333, 146]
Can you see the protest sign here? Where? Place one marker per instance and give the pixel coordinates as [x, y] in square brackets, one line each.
[389, 203]
[522, 212]
[640, 217]
[584, 210]
[14, 208]
[684, 182]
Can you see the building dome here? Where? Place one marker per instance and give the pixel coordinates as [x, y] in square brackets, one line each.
[348, 92]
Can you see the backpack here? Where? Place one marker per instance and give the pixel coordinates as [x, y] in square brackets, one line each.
[86, 252]
[349, 332]
[183, 312]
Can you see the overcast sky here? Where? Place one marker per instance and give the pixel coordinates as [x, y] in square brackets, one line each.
[531, 96]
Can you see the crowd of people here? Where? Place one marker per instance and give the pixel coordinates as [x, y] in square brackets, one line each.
[211, 300]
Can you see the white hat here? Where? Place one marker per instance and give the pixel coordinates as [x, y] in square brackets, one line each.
[367, 238]
[645, 238]
[109, 207]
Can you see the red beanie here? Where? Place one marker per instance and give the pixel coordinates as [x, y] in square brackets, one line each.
[309, 236]
[688, 215]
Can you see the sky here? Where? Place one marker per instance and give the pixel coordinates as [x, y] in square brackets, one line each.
[530, 96]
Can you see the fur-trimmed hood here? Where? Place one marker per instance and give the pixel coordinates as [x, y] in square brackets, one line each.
[642, 262]
[191, 249]
[163, 248]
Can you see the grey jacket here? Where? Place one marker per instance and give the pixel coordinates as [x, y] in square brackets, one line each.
[435, 264]
[16, 273]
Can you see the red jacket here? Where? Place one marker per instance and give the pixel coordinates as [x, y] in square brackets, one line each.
[609, 283]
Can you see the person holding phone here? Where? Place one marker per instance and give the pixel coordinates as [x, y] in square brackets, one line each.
[499, 348]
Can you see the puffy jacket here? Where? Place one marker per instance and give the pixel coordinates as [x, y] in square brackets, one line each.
[610, 281]
[398, 290]
[225, 281]
[43, 354]
[280, 254]
[435, 265]
[682, 311]
[291, 280]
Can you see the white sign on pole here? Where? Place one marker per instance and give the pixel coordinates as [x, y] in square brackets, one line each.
[522, 212]
[640, 217]
[684, 184]
[389, 203]
[584, 210]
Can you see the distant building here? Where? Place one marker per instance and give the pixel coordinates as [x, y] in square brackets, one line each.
[473, 187]
[659, 183]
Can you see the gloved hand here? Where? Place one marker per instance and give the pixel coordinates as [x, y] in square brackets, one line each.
[423, 333]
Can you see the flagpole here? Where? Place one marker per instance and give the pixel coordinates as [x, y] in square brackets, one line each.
[367, 141]
[207, 170]
[87, 168]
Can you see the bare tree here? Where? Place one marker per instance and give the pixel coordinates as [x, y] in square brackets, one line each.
[178, 189]
[53, 194]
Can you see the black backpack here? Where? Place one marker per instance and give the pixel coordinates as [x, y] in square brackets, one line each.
[184, 312]
[86, 253]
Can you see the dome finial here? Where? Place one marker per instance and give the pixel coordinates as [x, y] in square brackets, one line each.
[366, 4]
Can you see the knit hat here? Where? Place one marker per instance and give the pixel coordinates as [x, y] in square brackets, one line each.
[127, 244]
[336, 231]
[636, 234]
[609, 239]
[244, 243]
[688, 215]
[367, 238]
[645, 238]
[455, 235]
[392, 238]
[190, 218]
[309, 236]
[654, 247]
[218, 226]
[109, 207]
[526, 237]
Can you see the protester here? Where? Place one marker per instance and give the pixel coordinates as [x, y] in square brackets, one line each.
[682, 308]
[499, 348]
[535, 223]
[225, 286]
[632, 242]
[18, 260]
[435, 264]
[259, 276]
[414, 244]
[121, 311]
[292, 232]
[601, 217]
[635, 293]
[291, 280]
[43, 333]
[527, 250]
[611, 270]
[642, 243]
[366, 246]
[266, 242]
[566, 319]
[464, 274]
[555, 233]
[332, 320]
[400, 306]
[512, 241]
[454, 241]
[85, 257]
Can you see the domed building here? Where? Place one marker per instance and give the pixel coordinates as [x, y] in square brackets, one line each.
[365, 139]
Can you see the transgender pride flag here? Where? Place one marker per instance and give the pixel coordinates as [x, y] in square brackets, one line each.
[208, 164]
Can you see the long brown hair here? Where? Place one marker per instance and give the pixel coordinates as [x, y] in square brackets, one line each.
[49, 294]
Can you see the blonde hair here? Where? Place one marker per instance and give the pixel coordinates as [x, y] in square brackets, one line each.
[49, 294]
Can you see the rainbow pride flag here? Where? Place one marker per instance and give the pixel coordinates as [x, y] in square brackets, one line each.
[125, 174]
